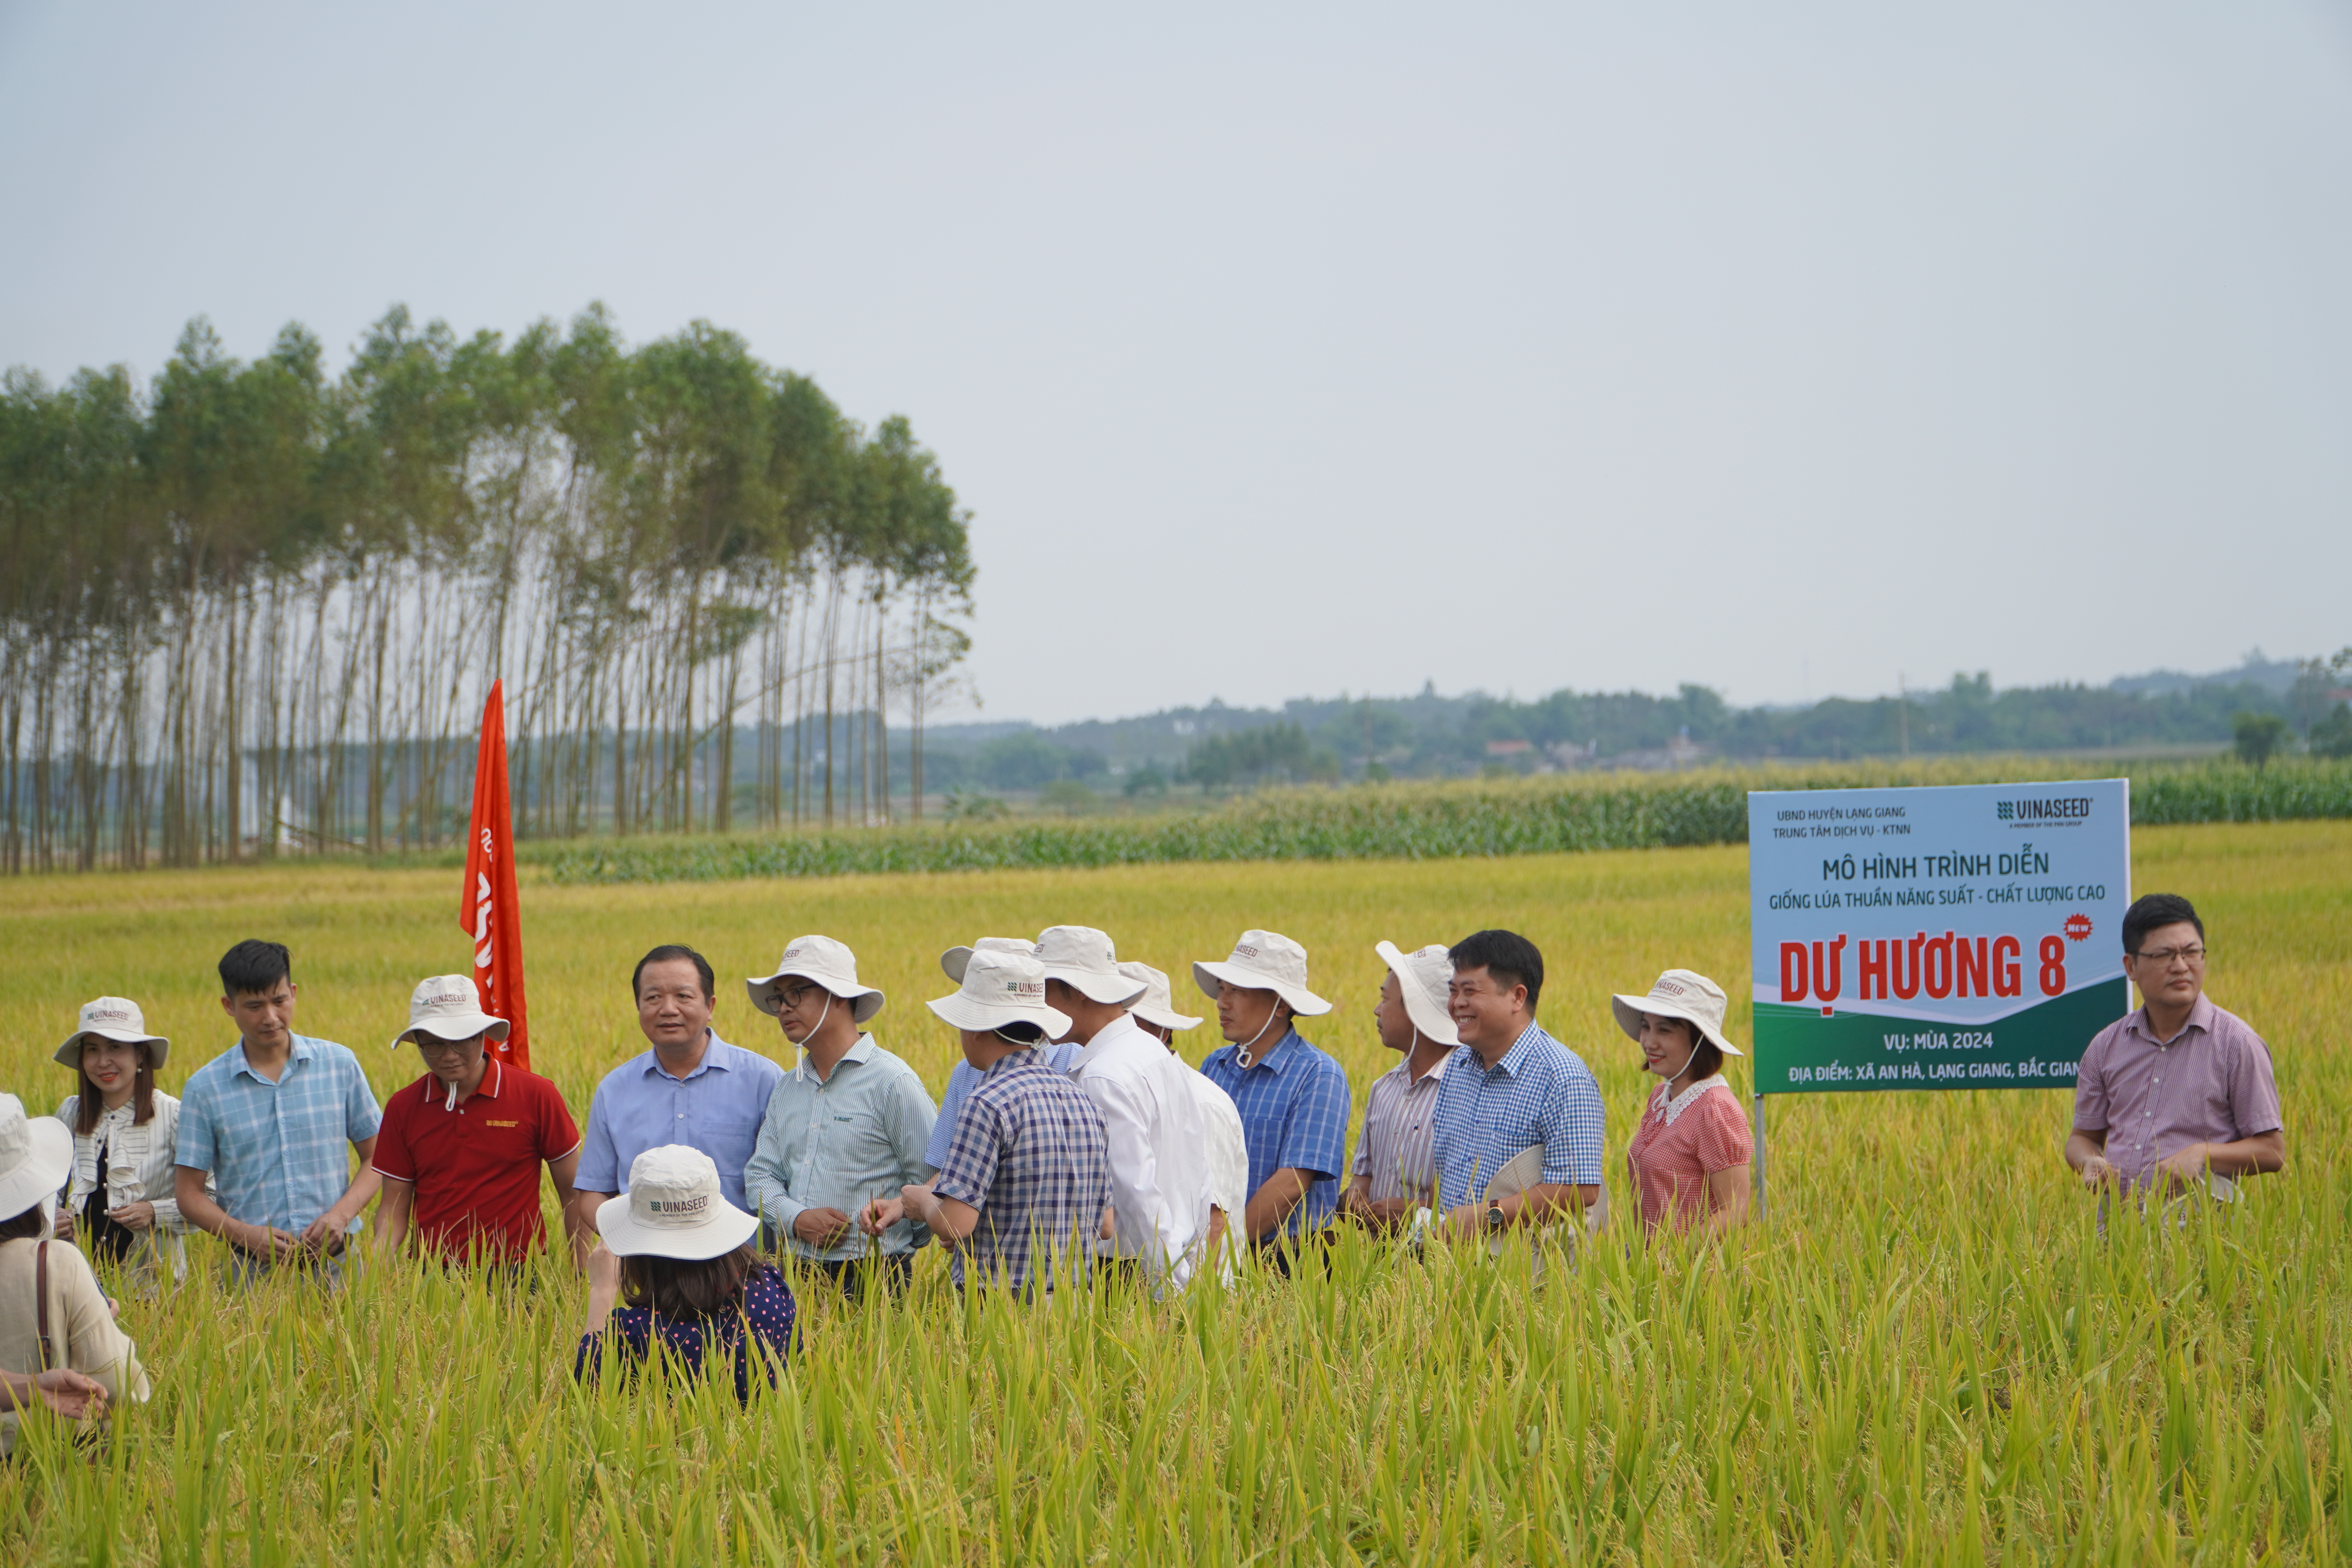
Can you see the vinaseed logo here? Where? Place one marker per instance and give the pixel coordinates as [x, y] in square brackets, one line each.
[2063, 811]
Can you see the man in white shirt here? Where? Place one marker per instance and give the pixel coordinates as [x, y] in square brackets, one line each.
[1228, 1147]
[1158, 1143]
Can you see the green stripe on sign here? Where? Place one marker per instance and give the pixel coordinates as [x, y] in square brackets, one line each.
[1798, 1051]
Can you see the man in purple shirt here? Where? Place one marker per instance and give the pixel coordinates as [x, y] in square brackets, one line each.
[2180, 1090]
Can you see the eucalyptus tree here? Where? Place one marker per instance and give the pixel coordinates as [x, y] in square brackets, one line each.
[252, 608]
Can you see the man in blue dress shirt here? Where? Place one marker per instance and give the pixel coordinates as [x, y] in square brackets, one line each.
[1292, 1098]
[692, 1087]
[1508, 1089]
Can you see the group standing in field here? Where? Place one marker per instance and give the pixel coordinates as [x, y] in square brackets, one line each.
[1073, 1141]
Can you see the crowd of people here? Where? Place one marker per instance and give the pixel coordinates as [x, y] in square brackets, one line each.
[1071, 1142]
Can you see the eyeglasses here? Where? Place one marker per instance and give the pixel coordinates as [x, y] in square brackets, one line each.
[434, 1046]
[2164, 957]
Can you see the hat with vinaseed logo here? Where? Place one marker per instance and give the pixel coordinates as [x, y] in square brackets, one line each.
[1265, 961]
[823, 962]
[116, 1018]
[1000, 989]
[673, 1209]
[448, 1008]
[1679, 994]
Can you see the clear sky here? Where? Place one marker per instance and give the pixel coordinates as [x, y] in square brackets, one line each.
[1793, 348]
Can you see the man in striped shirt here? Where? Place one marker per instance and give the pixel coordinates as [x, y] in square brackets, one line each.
[1510, 1089]
[1395, 1173]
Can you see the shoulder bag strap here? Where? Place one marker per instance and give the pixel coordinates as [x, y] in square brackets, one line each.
[41, 1299]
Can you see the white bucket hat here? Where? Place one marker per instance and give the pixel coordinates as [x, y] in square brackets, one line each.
[1424, 978]
[1679, 994]
[448, 1007]
[953, 960]
[1083, 959]
[1265, 961]
[36, 1154]
[1002, 988]
[673, 1209]
[116, 1018]
[823, 961]
[1158, 1004]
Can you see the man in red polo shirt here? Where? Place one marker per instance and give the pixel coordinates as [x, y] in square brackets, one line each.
[460, 1148]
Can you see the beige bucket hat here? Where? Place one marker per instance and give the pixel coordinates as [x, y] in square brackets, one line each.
[823, 961]
[1424, 978]
[1265, 961]
[673, 1209]
[1679, 994]
[1083, 959]
[1002, 988]
[448, 1008]
[36, 1154]
[1157, 1003]
[116, 1018]
[952, 961]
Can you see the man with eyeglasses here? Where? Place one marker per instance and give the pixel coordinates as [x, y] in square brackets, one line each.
[846, 1126]
[2179, 1093]
[460, 1149]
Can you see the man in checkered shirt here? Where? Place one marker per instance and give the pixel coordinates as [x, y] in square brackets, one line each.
[271, 1120]
[1026, 1181]
[1510, 1088]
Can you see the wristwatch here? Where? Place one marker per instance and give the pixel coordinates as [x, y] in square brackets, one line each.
[1496, 1218]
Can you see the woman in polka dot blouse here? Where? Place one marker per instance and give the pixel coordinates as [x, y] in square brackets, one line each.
[676, 1267]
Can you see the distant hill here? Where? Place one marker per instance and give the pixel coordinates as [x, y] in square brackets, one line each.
[1430, 735]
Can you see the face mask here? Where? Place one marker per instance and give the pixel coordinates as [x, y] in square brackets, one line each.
[49, 1216]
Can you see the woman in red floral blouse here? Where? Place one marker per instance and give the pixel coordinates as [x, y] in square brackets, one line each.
[1689, 1157]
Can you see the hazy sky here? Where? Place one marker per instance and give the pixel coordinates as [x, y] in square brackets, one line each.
[1278, 350]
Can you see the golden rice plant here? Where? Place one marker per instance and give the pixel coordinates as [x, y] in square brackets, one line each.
[1930, 1353]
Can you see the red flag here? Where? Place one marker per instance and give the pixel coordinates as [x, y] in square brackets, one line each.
[490, 913]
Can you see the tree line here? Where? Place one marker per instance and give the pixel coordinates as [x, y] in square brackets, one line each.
[1428, 735]
[251, 609]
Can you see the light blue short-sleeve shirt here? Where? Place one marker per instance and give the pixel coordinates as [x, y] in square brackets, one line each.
[279, 1152]
[717, 1108]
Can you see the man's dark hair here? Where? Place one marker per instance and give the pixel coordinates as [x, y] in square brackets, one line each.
[2154, 911]
[254, 968]
[664, 954]
[1508, 958]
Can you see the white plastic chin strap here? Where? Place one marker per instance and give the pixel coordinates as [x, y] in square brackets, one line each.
[1242, 1055]
[823, 1014]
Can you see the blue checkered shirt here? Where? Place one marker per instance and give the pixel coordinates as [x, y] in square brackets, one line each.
[964, 1080]
[1031, 1155]
[279, 1151]
[1294, 1103]
[1540, 1092]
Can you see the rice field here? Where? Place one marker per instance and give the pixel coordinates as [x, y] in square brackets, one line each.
[1929, 1354]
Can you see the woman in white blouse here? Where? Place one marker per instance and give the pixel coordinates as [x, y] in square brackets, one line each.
[118, 1204]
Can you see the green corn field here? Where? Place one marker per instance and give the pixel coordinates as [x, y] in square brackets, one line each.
[1929, 1351]
[1481, 818]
